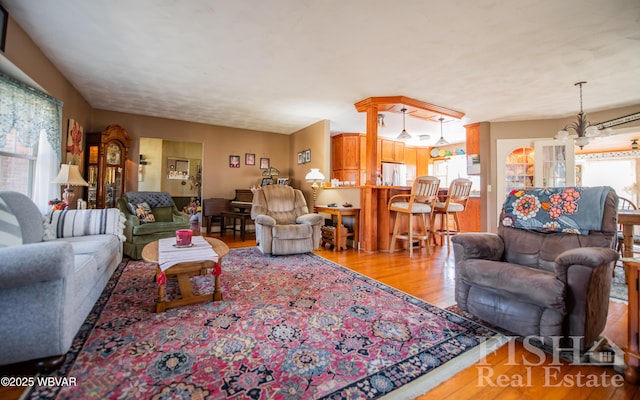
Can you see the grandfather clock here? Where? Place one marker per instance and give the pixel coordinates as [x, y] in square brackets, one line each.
[106, 166]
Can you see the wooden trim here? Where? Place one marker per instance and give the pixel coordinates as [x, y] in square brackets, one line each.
[415, 108]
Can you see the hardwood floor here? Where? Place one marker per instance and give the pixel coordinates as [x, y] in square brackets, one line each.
[431, 278]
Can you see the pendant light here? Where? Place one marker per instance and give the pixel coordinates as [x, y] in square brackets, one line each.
[582, 127]
[441, 141]
[404, 135]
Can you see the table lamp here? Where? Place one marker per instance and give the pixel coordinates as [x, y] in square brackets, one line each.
[314, 176]
[69, 175]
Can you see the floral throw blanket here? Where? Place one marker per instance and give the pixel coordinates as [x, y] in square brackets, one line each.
[560, 209]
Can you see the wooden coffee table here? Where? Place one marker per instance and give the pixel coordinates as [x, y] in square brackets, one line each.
[183, 271]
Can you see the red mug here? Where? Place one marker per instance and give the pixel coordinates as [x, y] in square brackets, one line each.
[183, 237]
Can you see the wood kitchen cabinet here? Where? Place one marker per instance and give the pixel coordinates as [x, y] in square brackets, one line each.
[391, 151]
[410, 154]
[473, 138]
[363, 160]
[347, 157]
[470, 217]
[422, 161]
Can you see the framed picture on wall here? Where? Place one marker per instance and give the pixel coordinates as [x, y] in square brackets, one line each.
[234, 161]
[75, 143]
[307, 156]
[283, 181]
[249, 159]
[301, 157]
[264, 163]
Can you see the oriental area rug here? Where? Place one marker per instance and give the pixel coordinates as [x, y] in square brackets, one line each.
[289, 327]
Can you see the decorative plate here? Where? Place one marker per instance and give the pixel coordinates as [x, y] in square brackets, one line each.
[434, 152]
[442, 153]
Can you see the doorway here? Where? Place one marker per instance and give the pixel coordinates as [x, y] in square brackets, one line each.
[171, 166]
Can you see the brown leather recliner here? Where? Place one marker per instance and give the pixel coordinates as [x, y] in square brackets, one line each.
[536, 283]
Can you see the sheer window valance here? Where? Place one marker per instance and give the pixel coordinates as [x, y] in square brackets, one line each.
[29, 111]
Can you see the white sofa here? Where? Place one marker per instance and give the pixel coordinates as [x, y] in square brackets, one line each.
[48, 287]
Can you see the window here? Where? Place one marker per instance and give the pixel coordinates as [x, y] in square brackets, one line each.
[618, 170]
[452, 168]
[30, 140]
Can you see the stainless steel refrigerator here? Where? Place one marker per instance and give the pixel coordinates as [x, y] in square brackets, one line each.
[394, 174]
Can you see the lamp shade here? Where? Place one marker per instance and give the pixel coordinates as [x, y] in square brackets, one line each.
[70, 175]
[314, 175]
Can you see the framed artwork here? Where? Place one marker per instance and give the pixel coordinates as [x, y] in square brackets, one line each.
[301, 157]
[307, 155]
[283, 181]
[234, 161]
[4, 19]
[75, 143]
[264, 163]
[249, 159]
[266, 181]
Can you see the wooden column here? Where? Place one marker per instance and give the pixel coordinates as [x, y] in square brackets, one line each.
[368, 199]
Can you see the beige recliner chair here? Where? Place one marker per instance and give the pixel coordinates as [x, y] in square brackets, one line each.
[283, 222]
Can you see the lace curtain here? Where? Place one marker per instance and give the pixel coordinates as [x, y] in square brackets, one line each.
[29, 111]
[36, 119]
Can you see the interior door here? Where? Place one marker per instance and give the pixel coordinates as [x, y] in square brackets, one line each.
[555, 164]
[526, 163]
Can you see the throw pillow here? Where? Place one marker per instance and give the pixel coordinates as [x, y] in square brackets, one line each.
[132, 208]
[72, 223]
[163, 214]
[10, 232]
[144, 213]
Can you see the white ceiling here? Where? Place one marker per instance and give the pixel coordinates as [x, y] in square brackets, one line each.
[281, 65]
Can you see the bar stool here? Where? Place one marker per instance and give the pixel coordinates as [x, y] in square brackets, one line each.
[419, 202]
[456, 202]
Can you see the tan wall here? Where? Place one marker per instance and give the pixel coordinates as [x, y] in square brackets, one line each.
[218, 143]
[317, 139]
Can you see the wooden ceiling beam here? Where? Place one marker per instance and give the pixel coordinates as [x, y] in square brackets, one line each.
[415, 108]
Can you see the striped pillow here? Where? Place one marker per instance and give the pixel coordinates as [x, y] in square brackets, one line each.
[10, 232]
[70, 223]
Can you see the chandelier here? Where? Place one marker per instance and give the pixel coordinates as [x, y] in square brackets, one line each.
[442, 141]
[404, 135]
[583, 129]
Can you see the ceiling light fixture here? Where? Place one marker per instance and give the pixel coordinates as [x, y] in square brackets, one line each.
[634, 144]
[441, 141]
[582, 127]
[380, 120]
[404, 135]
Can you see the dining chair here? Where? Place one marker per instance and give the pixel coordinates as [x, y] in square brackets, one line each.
[455, 203]
[624, 204]
[419, 203]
